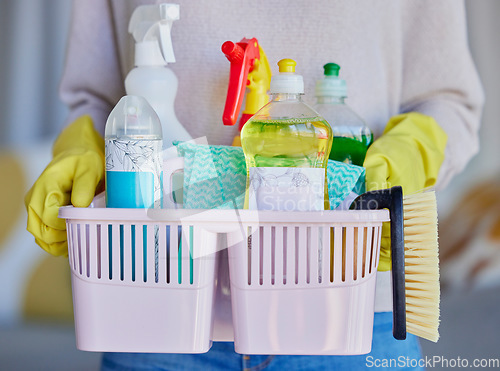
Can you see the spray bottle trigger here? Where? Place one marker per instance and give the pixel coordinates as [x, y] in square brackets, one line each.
[165, 42]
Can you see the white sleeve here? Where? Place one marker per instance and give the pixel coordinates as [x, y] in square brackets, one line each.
[440, 79]
[92, 81]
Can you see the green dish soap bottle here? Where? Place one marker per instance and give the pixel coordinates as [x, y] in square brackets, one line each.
[351, 135]
[286, 145]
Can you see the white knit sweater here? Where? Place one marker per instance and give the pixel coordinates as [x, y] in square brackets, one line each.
[397, 56]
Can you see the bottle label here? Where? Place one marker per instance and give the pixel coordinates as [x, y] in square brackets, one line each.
[286, 188]
[134, 173]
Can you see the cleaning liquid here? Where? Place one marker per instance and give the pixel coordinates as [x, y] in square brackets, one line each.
[351, 135]
[133, 144]
[286, 146]
[150, 26]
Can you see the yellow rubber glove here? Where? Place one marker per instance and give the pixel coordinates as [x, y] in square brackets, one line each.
[75, 173]
[409, 153]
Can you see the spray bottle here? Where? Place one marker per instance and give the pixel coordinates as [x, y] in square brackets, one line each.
[249, 69]
[351, 135]
[150, 26]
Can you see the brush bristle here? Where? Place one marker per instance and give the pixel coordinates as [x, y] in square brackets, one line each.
[421, 265]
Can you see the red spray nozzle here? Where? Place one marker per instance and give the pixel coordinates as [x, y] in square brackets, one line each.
[242, 56]
[233, 52]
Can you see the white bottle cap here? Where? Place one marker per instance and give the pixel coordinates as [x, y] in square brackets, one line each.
[287, 82]
[133, 117]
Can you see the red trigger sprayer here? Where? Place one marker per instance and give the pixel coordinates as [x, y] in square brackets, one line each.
[249, 68]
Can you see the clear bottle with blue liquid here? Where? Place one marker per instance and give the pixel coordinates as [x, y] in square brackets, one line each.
[133, 145]
[133, 141]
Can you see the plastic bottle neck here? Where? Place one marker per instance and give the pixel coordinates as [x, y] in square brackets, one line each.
[328, 99]
[281, 97]
[148, 54]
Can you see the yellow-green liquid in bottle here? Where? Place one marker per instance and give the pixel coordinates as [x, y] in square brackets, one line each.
[287, 143]
[297, 142]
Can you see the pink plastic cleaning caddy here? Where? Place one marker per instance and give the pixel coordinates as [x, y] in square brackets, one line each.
[301, 283]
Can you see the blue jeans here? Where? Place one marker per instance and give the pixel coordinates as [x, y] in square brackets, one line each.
[386, 351]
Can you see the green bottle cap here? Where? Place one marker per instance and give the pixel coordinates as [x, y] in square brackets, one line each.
[331, 69]
[331, 85]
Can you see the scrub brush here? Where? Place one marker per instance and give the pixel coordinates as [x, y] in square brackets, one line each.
[415, 263]
[421, 265]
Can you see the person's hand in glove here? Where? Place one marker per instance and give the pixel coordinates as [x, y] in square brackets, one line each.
[75, 173]
[409, 154]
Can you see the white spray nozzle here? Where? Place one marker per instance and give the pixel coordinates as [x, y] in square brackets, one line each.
[170, 12]
[150, 26]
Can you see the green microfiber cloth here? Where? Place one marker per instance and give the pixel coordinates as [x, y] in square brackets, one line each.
[215, 177]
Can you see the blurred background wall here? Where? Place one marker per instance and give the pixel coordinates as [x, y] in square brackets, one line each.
[32, 46]
[36, 287]
[469, 208]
